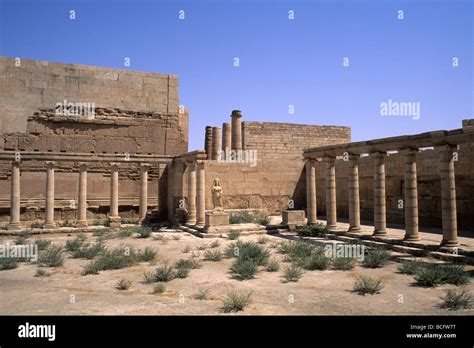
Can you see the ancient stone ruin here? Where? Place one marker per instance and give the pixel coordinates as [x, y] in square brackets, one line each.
[81, 145]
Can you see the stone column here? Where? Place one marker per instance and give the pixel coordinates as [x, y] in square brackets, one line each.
[170, 206]
[411, 195]
[354, 202]
[200, 194]
[144, 167]
[15, 198]
[311, 203]
[49, 211]
[208, 142]
[226, 140]
[114, 217]
[448, 196]
[236, 130]
[331, 208]
[191, 194]
[216, 143]
[82, 196]
[380, 209]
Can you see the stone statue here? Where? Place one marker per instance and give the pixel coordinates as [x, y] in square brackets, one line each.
[216, 191]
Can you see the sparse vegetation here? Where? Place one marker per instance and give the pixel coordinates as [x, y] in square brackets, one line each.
[72, 245]
[297, 251]
[367, 285]
[186, 249]
[88, 251]
[149, 277]
[292, 273]
[343, 263]
[375, 258]
[117, 258]
[8, 263]
[240, 217]
[164, 273]
[42, 244]
[272, 266]
[435, 274]
[51, 257]
[182, 272]
[235, 302]
[244, 269]
[41, 272]
[410, 266]
[454, 300]
[143, 232]
[213, 255]
[125, 232]
[147, 255]
[315, 230]
[202, 247]
[159, 288]
[316, 261]
[20, 240]
[261, 218]
[262, 240]
[233, 235]
[202, 294]
[123, 284]
[215, 244]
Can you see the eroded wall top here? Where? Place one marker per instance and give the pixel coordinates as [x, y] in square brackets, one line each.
[32, 85]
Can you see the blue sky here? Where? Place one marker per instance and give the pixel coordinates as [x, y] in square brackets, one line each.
[282, 62]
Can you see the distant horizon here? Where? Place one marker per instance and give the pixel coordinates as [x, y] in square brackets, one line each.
[331, 64]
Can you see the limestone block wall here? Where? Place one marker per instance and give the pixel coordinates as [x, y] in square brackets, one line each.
[278, 175]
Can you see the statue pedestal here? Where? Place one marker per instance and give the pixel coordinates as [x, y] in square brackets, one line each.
[214, 219]
[293, 218]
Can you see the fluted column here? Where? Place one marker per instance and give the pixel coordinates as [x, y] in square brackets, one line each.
[15, 198]
[82, 196]
[208, 142]
[311, 192]
[114, 216]
[191, 194]
[354, 202]
[200, 193]
[144, 168]
[49, 212]
[216, 142]
[226, 140]
[448, 196]
[411, 195]
[331, 208]
[380, 209]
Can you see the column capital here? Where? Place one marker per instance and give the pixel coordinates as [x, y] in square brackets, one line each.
[378, 154]
[145, 166]
[353, 158]
[82, 165]
[329, 159]
[191, 166]
[446, 151]
[311, 161]
[50, 164]
[200, 162]
[236, 113]
[114, 165]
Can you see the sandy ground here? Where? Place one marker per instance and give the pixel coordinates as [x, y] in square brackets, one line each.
[328, 292]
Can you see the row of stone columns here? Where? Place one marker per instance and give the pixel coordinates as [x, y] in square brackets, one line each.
[196, 193]
[231, 137]
[410, 202]
[49, 222]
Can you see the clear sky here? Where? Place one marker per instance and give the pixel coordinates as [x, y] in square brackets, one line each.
[283, 62]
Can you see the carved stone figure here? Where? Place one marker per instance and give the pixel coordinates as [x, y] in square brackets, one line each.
[216, 191]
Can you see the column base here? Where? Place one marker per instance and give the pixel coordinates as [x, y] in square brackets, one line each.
[354, 229]
[449, 244]
[190, 222]
[14, 226]
[49, 225]
[412, 238]
[81, 223]
[379, 233]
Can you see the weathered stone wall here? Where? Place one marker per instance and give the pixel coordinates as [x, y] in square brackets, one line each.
[278, 175]
[136, 112]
